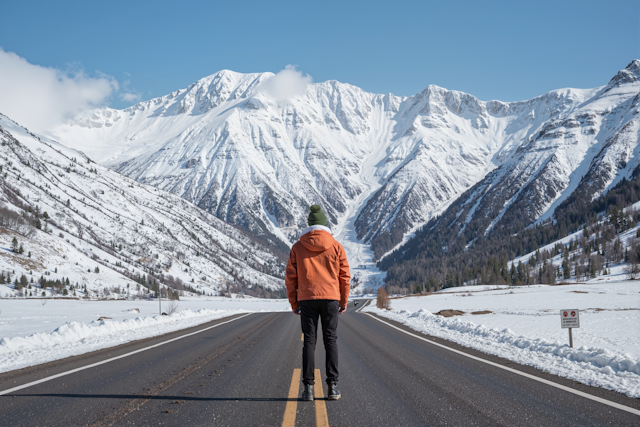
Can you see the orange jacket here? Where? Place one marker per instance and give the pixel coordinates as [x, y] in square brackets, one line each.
[317, 269]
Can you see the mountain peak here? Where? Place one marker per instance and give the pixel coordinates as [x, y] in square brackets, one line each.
[631, 74]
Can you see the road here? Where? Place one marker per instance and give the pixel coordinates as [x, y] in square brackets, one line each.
[242, 372]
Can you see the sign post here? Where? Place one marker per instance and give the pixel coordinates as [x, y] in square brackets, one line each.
[570, 318]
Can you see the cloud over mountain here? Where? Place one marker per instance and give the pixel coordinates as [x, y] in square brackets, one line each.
[287, 84]
[41, 97]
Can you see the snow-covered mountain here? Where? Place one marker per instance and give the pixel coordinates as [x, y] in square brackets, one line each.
[587, 141]
[380, 165]
[99, 218]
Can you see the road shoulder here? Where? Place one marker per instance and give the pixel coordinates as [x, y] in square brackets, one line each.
[599, 392]
[34, 372]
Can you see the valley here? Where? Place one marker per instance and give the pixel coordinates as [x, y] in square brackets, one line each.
[380, 165]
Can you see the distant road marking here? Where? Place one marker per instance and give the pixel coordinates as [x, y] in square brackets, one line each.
[62, 374]
[321, 408]
[524, 374]
[289, 419]
[363, 305]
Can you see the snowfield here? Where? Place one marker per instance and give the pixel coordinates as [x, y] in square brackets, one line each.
[524, 327]
[34, 333]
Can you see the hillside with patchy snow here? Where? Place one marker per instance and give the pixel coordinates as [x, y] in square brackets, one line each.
[104, 233]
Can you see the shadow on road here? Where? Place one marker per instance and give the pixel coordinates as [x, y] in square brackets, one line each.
[142, 396]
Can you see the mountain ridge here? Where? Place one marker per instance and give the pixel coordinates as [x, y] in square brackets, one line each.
[258, 163]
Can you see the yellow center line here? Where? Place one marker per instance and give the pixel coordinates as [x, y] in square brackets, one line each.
[289, 419]
[321, 408]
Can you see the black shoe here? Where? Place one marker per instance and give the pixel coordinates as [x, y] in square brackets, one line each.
[334, 394]
[307, 393]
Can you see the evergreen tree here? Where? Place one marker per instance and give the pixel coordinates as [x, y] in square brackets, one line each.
[513, 273]
[566, 269]
[522, 275]
[14, 245]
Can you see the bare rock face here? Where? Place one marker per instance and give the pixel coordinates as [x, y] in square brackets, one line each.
[388, 164]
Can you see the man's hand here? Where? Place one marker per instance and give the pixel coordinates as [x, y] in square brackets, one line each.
[296, 311]
[342, 309]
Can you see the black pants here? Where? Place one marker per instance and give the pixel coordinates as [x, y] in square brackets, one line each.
[327, 310]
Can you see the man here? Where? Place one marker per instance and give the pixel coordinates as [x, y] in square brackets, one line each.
[318, 286]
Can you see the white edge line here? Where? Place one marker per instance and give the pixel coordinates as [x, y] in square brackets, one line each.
[62, 374]
[524, 374]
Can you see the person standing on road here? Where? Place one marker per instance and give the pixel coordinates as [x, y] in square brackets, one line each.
[317, 283]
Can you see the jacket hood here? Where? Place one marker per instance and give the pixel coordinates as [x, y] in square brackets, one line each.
[317, 240]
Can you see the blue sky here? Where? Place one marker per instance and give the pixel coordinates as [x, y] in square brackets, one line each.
[507, 50]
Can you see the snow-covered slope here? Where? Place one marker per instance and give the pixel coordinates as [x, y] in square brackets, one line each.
[587, 143]
[380, 165]
[99, 218]
[237, 153]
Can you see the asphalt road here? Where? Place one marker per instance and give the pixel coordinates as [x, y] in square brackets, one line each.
[245, 372]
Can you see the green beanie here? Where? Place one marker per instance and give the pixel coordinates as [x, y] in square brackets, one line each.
[316, 216]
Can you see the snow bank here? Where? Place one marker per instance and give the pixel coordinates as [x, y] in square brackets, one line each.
[589, 365]
[75, 338]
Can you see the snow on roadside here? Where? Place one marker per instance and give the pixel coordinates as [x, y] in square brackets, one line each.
[606, 348]
[77, 337]
[24, 317]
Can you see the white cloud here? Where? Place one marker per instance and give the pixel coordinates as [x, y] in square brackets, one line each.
[129, 95]
[41, 97]
[287, 84]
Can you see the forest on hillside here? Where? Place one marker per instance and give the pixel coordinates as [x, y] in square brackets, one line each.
[439, 257]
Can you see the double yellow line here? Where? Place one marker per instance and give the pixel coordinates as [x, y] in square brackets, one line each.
[290, 411]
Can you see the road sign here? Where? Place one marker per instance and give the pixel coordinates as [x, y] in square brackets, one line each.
[570, 318]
